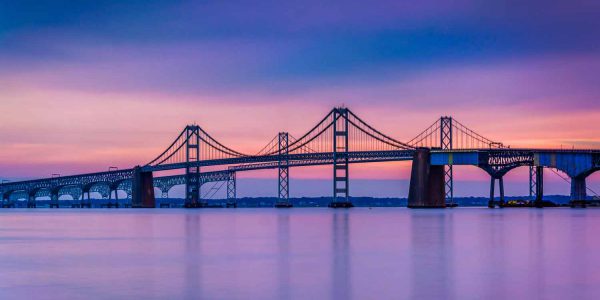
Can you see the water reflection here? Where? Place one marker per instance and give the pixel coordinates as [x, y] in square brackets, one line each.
[431, 248]
[341, 269]
[192, 262]
[493, 232]
[581, 234]
[283, 257]
[300, 254]
[537, 257]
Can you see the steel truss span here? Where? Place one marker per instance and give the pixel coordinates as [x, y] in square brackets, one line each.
[339, 139]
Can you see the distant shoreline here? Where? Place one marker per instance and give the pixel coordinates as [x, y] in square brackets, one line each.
[257, 202]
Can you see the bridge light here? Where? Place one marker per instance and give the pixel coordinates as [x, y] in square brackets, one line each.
[112, 169]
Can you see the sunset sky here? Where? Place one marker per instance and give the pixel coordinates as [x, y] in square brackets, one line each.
[85, 85]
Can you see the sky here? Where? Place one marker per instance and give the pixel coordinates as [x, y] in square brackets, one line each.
[85, 85]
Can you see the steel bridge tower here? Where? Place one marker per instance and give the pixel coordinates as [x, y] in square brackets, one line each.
[446, 144]
[536, 185]
[192, 173]
[283, 199]
[231, 191]
[532, 181]
[340, 159]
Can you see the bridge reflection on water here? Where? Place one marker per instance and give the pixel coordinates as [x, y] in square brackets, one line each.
[391, 253]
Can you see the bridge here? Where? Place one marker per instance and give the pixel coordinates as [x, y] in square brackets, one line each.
[339, 139]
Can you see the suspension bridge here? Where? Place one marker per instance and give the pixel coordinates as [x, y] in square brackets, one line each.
[339, 139]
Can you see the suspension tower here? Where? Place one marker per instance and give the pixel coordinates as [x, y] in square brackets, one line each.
[446, 144]
[192, 172]
[340, 159]
[283, 199]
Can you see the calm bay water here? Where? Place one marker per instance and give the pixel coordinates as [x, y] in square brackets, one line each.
[380, 253]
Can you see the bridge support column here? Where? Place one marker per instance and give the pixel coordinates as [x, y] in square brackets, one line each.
[87, 203]
[6, 203]
[128, 199]
[54, 199]
[142, 189]
[341, 184]
[501, 187]
[492, 201]
[539, 186]
[283, 197]
[192, 191]
[192, 173]
[109, 202]
[75, 195]
[578, 191]
[231, 191]
[116, 204]
[532, 181]
[447, 144]
[31, 201]
[427, 182]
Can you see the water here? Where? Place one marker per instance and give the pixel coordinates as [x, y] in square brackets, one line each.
[380, 253]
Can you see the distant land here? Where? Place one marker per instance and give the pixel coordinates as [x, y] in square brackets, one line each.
[308, 201]
[361, 201]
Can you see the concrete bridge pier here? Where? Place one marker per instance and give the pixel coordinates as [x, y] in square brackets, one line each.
[492, 201]
[427, 182]
[142, 189]
[578, 191]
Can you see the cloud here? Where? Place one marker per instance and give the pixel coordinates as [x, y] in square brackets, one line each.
[194, 47]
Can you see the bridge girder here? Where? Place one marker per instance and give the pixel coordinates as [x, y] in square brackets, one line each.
[499, 162]
[496, 162]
